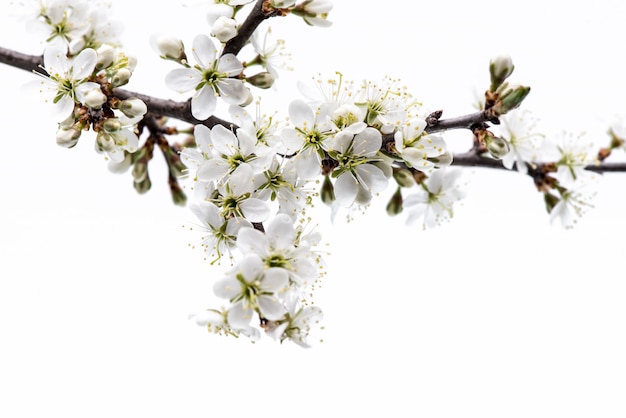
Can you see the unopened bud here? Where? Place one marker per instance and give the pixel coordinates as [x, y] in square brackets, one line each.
[133, 107]
[550, 200]
[120, 77]
[94, 98]
[327, 193]
[106, 56]
[395, 205]
[142, 186]
[497, 147]
[170, 47]
[224, 28]
[262, 80]
[178, 196]
[512, 98]
[68, 137]
[112, 125]
[105, 142]
[403, 177]
[500, 68]
[140, 172]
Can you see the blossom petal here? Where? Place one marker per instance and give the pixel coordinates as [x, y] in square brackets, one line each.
[84, 64]
[203, 103]
[230, 65]
[182, 80]
[204, 51]
[346, 189]
[271, 308]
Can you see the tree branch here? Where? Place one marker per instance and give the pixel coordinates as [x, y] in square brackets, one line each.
[247, 28]
[182, 110]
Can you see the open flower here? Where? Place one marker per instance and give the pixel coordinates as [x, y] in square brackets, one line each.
[419, 149]
[356, 173]
[435, 198]
[252, 287]
[66, 83]
[210, 78]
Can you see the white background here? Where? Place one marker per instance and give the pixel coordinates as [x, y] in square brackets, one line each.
[496, 314]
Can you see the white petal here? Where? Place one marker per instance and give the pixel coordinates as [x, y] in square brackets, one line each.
[368, 142]
[271, 308]
[204, 51]
[182, 80]
[301, 115]
[255, 210]
[203, 103]
[230, 65]
[281, 232]
[224, 140]
[346, 189]
[202, 135]
[239, 315]
[371, 177]
[227, 288]
[232, 91]
[250, 240]
[275, 279]
[84, 64]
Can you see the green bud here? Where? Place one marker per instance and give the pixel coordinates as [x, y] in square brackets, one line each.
[263, 80]
[403, 177]
[550, 200]
[178, 196]
[142, 186]
[327, 192]
[395, 205]
[497, 147]
[500, 68]
[512, 98]
[140, 172]
[112, 125]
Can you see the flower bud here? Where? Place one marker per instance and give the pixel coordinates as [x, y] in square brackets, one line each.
[140, 172]
[112, 125]
[262, 80]
[327, 193]
[105, 142]
[106, 56]
[68, 137]
[512, 98]
[142, 186]
[224, 28]
[120, 77]
[497, 147]
[403, 177]
[170, 47]
[395, 205]
[94, 98]
[550, 200]
[500, 68]
[178, 196]
[133, 107]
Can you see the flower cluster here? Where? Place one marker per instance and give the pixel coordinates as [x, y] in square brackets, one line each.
[82, 65]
